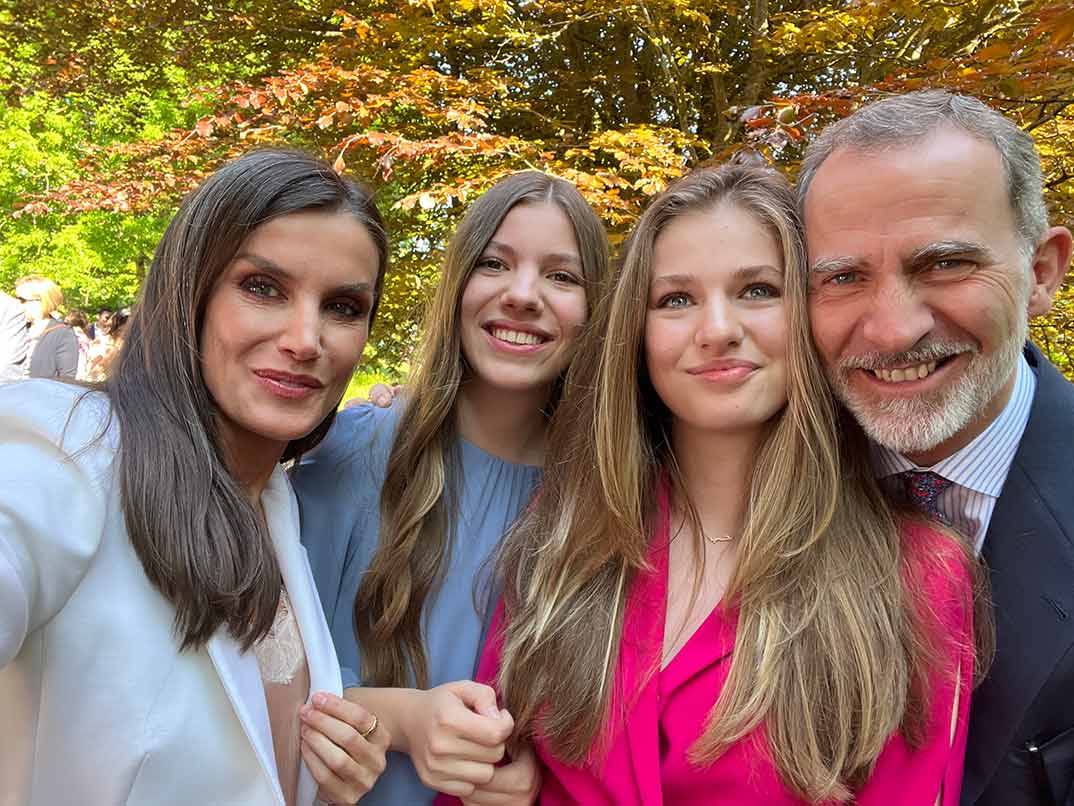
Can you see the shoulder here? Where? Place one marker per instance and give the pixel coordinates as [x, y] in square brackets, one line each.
[347, 468]
[51, 428]
[71, 417]
[358, 433]
[58, 333]
[9, 306]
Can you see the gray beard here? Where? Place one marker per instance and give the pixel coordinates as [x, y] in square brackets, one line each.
[917, 425]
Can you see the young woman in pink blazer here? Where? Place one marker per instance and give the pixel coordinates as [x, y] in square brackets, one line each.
[711, 602]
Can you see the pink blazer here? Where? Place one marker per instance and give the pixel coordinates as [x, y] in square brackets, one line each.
[646, 761]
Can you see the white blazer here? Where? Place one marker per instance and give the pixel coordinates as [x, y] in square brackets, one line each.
[97, 705]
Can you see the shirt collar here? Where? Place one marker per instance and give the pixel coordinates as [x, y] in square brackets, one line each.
[981, 465]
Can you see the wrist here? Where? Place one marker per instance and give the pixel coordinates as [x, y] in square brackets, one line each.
[394, 708]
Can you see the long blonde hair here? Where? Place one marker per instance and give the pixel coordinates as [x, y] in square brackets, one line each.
[417, 502]
[831, 651]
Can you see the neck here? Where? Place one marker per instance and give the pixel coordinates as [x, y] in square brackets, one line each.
[508, 424]
[716, 467]
[251, 463]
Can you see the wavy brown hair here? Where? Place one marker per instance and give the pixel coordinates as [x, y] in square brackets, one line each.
[833, 652]
[417, 503]
[201, 541]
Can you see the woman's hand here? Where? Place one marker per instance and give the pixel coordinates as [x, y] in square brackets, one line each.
[514, 784]
[380, 395]
[341, 751]
[455, 735]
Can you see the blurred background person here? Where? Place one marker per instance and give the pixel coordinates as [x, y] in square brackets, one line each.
[79, 323]
[106, 346]
[99, 326]
[14, 346]
[53, 345]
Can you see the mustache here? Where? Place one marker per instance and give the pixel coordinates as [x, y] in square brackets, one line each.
[923, 354]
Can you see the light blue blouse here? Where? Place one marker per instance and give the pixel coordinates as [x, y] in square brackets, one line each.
[338, 487]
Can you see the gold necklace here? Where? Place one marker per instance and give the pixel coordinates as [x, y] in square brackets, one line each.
[716, 540]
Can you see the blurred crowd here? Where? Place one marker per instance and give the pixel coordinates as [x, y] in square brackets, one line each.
[39, 340]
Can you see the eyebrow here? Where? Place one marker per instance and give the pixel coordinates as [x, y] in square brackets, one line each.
[834, 265]
[940, 250]
[741, 274]
[280, 273]
[554, 257]
[918, 259]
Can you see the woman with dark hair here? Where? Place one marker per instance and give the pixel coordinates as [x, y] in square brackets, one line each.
[402, 507]
[160, 633]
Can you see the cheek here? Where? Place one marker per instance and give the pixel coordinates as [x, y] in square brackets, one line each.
[776, 336]
[827, 324]
[988, 313]
[571, 315]
[345, 345]
[475, 294]
[663, 345]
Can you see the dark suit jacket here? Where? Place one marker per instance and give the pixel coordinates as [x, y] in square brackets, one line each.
[1029, 693]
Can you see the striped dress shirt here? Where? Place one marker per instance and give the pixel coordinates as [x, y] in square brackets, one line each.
[978, 471]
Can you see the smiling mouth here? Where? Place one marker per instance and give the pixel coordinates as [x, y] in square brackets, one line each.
[516, 336]
[911, 373]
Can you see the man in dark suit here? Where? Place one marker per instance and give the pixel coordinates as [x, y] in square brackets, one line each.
[13, 340]
[929, 249]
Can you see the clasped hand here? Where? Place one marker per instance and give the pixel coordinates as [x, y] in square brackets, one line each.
[456, 735]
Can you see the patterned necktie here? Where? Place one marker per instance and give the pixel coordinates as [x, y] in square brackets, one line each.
[922, 490]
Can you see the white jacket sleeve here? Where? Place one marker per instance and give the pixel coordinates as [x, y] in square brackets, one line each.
[55, 483]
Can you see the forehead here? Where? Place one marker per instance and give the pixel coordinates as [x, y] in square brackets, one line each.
[721, 238]
[946, 186]
[536, 226]
[317, 245]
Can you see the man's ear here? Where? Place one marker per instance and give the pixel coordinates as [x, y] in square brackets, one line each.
[1050, 264]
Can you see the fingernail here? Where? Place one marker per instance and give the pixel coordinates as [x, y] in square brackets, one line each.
[319, 700]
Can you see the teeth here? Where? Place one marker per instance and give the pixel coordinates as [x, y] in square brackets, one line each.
[516, 336]
[906, 373]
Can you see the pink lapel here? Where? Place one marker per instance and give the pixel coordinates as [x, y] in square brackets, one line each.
[635, 702]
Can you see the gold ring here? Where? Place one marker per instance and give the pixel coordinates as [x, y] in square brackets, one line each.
[365, 734]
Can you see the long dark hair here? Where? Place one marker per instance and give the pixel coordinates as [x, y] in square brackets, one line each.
[200, 540]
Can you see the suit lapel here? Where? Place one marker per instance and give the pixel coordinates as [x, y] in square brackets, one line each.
[1031, 564]
[281, 513]
[241, 678]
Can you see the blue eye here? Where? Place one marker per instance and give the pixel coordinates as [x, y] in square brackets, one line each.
[761, 291]
[674, 300]
[953, 264]
[843, 278]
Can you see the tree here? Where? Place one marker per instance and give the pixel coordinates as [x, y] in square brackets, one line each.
[432, 100]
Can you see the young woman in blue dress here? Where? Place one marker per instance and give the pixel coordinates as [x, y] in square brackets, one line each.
[402, 507]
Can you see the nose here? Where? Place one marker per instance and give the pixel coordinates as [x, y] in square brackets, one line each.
[300, 336]
[720, 326]
[523, 292]
[897, 318]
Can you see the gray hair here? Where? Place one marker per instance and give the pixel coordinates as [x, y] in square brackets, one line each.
[903, 119]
